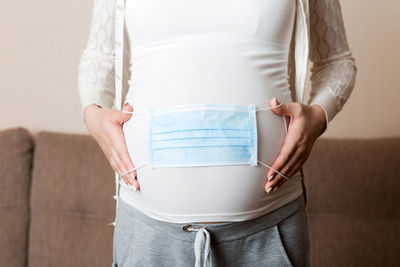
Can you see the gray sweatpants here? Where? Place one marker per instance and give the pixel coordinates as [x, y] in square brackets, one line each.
[279, 238]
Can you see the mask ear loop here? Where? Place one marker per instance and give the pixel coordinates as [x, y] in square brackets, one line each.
[132, 112]
[284, 120]
[131, 170]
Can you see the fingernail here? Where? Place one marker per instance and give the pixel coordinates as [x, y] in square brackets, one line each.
[275, 188]
[269, 190]
[133, 177]
[271, 177]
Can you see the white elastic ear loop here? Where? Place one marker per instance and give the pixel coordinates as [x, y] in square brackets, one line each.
[266, 165]
[265, 108]
[131, 170]
[132, 112]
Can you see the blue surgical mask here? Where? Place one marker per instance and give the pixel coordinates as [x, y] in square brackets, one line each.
[203, 135]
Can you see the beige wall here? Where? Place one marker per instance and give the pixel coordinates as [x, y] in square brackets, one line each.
[41, 42]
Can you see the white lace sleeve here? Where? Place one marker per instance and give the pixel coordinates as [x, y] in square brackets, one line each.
[334, 70]
[96, 66]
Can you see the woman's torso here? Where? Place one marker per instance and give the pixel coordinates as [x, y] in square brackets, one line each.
[231, 52]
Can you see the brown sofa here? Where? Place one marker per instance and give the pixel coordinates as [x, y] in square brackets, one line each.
[56, 201]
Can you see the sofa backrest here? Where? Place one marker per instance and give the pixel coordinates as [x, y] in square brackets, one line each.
[16, 151]
[71, 203]
[353, 195]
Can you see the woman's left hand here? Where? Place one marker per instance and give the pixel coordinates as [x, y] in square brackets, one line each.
[307, 123]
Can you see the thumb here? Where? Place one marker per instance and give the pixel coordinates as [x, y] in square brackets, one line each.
[124, 116]
[283, 109]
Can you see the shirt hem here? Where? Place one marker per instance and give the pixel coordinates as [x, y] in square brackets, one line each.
[233, 217]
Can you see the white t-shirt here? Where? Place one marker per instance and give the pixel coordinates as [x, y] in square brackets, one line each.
[230, 52]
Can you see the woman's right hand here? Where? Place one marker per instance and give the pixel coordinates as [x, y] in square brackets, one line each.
[105, 125]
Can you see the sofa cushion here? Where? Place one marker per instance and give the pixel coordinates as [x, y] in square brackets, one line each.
[71, 202]
[16, 150]
[353, 201]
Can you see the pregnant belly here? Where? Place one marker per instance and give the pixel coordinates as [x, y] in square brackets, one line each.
[207, 72]
[208, 192]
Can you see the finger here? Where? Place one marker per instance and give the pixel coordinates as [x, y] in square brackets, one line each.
[133, 186]
[128, 109]
[278, 185]
[127, 178]
[113, 165]
[128, 164]
[288, 119]
[294, 169]
[287, 109]
[118, 170]
[120, 116]
[116, 167]
[284, 162]
[119, 145]
[112, 162]
[285, 154]
[286, 170]
[275, 179]
[120, 154]
[301, 158]
[269, 186]
[281, 181]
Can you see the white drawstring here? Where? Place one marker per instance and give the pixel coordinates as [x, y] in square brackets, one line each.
[202, 245]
